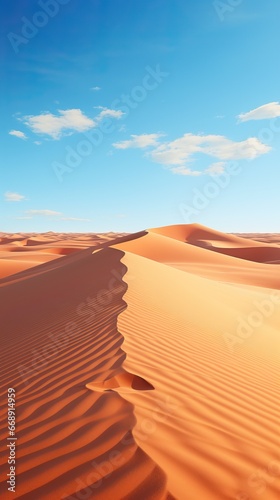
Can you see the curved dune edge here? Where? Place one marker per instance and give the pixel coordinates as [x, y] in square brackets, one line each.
[226, 244]
[16, 258]
[197, 232]
[211, 423]
[169, 246]
[135, 398]
[73, 441]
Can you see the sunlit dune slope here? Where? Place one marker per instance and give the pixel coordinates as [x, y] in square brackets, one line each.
[211, 422]
[145, 366]
[168, 245]
[59, 320]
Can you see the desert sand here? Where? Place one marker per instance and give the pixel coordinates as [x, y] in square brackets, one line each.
[145, 366]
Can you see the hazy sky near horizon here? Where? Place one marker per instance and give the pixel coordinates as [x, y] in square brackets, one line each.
[121, 115]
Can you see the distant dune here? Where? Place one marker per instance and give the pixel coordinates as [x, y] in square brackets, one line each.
[145, 366]
[263, 237]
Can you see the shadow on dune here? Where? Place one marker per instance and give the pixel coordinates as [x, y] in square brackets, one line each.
[68, 259]
[125, 380]
[60, 321]
[264, 255]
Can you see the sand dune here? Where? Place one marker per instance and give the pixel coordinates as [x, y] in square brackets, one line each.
[169, 246]
[227, 244]
[145, 366]
[17, 251]
[264, 237]
[70, 436]
[213, 417]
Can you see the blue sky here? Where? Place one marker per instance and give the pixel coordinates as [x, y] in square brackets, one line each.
[120, 115]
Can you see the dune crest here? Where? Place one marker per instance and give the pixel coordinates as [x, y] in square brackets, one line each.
[65, 336]
[146, 366]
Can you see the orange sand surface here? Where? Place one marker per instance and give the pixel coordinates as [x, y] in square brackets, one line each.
[145, 366]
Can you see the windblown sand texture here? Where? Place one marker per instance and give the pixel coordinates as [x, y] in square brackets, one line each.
[146, 366]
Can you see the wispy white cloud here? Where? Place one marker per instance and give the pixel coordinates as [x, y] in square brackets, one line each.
[95, 88]
[270, 110]
[18, 133]
[109, 113]
[66, 122]
[44, 213]
[216, 168]
[38, 143]
[185, 171]
[9, 196]
[139, 141]
[181, 150]
[178, 154]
